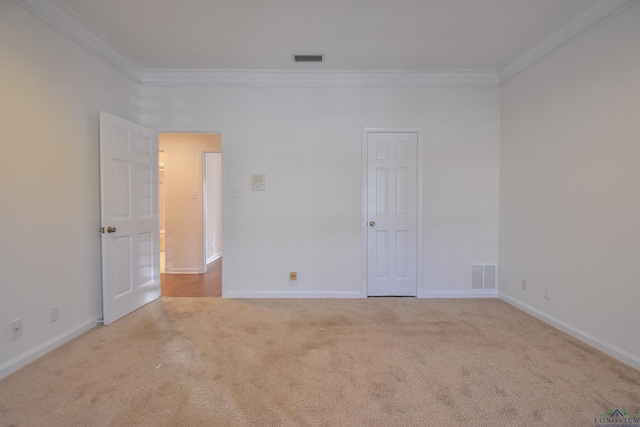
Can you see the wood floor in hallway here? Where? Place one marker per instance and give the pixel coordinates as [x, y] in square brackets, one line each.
[208, 284]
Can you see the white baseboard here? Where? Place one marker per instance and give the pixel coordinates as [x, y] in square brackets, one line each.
[214, 257]
[28, 357]
[183, 271]
[291, 294]
[474, 293]
[611, 350]
[482, 293]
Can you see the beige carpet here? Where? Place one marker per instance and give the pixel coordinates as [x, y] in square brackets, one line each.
[371, 362]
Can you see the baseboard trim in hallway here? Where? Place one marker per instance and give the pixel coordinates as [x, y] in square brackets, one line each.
[208, 284]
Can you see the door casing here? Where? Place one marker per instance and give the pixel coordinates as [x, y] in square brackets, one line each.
[365, 199]
[222, 131]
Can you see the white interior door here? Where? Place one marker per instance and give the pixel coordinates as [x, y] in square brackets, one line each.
[392, 180]
[129, 216]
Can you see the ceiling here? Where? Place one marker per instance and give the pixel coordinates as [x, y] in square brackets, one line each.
[352, 34]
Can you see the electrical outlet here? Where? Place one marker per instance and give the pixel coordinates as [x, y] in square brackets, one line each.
[293, 278]
[16, 328]
[523, 284]
[53, 314]
[547, 292]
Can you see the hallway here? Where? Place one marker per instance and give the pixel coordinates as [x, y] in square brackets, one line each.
[208, 284]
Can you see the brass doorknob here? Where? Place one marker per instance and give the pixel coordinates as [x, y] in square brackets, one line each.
[372, 223]
[111, 229]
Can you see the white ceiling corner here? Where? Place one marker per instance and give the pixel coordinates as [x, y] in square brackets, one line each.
[74, 27]
[589, 18]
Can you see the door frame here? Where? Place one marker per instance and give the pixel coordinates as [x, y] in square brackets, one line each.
[225, 204]
[205, 200]
[365, 203]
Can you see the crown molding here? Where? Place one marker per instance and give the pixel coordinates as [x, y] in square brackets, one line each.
[70, 24]
[324, 78]
[589, 18]
[66, 21]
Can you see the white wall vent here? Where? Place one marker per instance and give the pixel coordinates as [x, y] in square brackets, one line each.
[483, 276]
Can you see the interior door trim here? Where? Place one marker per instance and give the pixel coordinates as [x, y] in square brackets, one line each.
[225, 179]
[365, 198]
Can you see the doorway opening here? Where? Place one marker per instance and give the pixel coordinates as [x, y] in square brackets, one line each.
[190, 193]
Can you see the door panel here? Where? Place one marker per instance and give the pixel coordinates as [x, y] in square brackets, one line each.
[129, 216]
[382, 258]
[392, 213]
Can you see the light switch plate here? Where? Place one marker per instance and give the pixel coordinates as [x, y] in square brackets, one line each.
[15, 329]
[258, 182]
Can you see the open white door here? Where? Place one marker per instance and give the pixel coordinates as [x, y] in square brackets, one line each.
[392, 213]
[129, 216]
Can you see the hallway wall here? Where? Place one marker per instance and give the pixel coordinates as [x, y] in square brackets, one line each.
[184, 198]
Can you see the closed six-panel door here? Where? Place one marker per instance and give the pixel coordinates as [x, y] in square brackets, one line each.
[392, 213]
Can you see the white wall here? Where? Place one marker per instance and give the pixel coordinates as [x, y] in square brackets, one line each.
[308, 143]
[570, 187]
[51, 91]
[213, 183]
[184, 220]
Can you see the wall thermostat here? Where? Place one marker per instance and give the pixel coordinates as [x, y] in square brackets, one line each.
[257, 182]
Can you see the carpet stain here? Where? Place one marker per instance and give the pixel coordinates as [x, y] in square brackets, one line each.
[184, 315]
[509, 412]
[500, 391]
[626, 376]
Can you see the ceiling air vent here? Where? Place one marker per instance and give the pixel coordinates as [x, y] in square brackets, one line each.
[308, 58]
